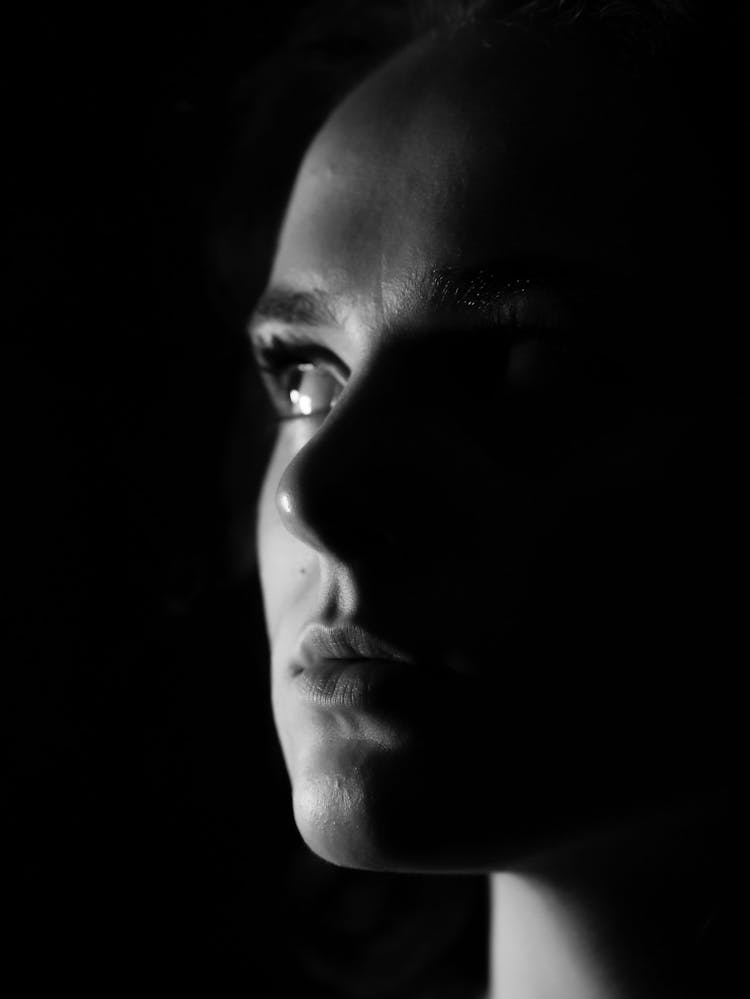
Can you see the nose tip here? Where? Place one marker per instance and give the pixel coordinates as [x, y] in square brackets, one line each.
[297, 511]
[284, 501]
[299, 503]
[332, 504]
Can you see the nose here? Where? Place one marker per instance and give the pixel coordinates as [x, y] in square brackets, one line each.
[372, 479]
[332, 494]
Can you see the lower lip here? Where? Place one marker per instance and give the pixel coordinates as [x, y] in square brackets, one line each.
[356, 684]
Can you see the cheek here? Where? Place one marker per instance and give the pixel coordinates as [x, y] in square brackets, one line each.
[289, 583]
[284, 562]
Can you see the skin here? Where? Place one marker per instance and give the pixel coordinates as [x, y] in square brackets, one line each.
[495, 511]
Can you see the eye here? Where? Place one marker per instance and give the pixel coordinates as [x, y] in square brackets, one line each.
[302, 381]
[312, 389]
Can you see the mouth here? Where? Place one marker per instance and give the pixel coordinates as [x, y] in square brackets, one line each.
[346, 666]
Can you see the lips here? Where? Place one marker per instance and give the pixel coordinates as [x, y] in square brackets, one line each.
[345, 666]
[346, 642]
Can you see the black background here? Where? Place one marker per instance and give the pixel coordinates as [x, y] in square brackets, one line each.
[147, 822]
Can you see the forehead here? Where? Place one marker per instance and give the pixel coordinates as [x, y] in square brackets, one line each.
[477, 148]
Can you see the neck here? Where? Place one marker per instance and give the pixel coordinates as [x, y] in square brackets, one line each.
[541, 948]
[616, 917]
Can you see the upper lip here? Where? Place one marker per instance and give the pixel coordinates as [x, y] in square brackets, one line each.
[345, 641]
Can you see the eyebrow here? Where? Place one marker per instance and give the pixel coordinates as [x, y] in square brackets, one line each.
[478, 288]
[293, 308]
[483, 289]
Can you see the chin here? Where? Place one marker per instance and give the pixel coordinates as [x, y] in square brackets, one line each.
[362, 807]
[350, 776]
[348, 798]
[332, 816]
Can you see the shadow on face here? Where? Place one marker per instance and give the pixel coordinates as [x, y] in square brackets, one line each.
[483, 341]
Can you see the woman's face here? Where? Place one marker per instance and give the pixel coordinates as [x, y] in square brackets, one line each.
[464, 533]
